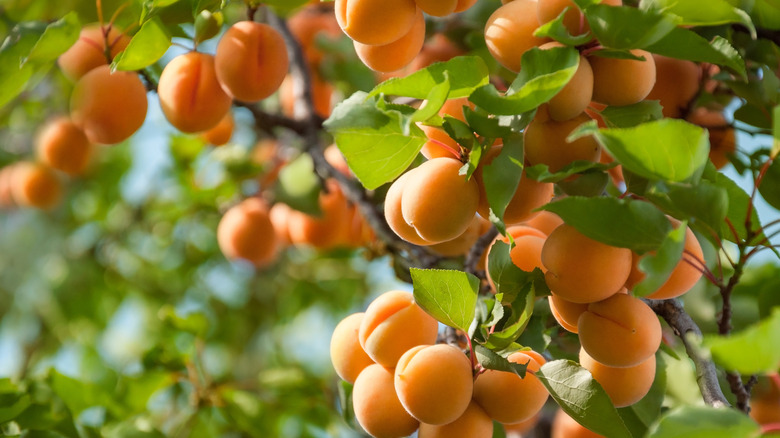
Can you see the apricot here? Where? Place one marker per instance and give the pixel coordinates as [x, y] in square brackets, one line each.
[521, 429]
[723, 142]
[393, 324]
[506, 397]
[246, 232]
[35, 185]
[394, 215]
[190, 95]
[474, 423]
[765, 400]
[544, 221]
[624, 386]
[109, 107]
[280, 219]
[434, 383]
[346, 354]
[564, 426]
[307, 25]
[575, 96]
[442, 8]
[394, 55]
[621, 331]
[582, 270]
[6, 186]
[509, 32]
[89, 51]
[439, 48]
[526, 254]
[545, 141]
[573, 20]
[327, 230]
[321, 93]
[251, 61]
[565, 312]
[462, 244]
[221, 133]
[439, 143]
[622, 81]
[438, 202]
[377, 407]
[63, 146]
[529, 195]
[375, 22]
[676, 84]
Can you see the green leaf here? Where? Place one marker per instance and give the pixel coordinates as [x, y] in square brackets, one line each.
[541, 172]
[509, 280]
[624, 223]
[580, 396]
[623, 27]
[659, 266]
[14, 74]
[501, 177]
[207, 25]
[449, 296]
[556, 30]
[692, 13]
[632, 115]
[299, 187]
[686, 44]
[493, 361]
[705, 202]
[79, 396]
[514, 322]
[543, 75]
[648, 409]
[146, 47]
[775, 132]
[750, 351]
[11, 405]
[373, 140]
[704, 422]
[465, 74]
[738, 204]
[56, 39]
[433, 102]
[770, 185]
[194, 322]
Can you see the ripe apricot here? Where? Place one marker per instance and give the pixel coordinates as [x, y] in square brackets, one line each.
[246, 232]
[90, 50]
[564, 426]
[521, 429]
[582, 270]
[394, 55]
[442, 8]
[309, 24]
[573, 20]
[6, 186]
[506, 397]
[393, 324]
[35, 185]
[621, 331]
[327, 230]
[624, 386]
[545, 141]
[434, 383]
[565, 312]
[375, 22]
[439, 143]
[251, 61]
[346, 354]
[544, 221]
[529, 195]
[723, 142]
[63, 146]
[676, 84]
[377, 407]
[622, 81]
[190, 95]
[474, 423]
[575, 96]
[280, 219]
[439, 48]
[109, 107]
[509, 32]
[221, 133]
[438, 202]
[462, 244]
[765, 400]
[394, 215]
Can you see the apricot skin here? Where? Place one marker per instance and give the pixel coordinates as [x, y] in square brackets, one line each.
[246, 232]
[545, 142]
[548, 10]
[582, 270]
[327, 230]
[251, 61]
[462, 244]
[432, 148]
[723, 141]
[621, 331]
[509, 32]
[564, 426]
[375, 22]
[565, 312]
[308, 25]
[575, 96]
[190, 96]
[676, 84]
[397, 54]
[63, 146]
[434, 383]
[393, 324]
[377, 407]
[89, 51]
[622, 82]
[35, 185]
[109, 107]
[544, 221]
[442, 8]
[346, 354]
[394, 215]
[474, 423]
[221, 133]
[624, 386]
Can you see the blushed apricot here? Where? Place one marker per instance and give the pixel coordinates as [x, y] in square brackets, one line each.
[545, 141]
[394, 215]
[375, 22]
[506, 397]
[377, 407]
[109, 107]
[564, 426]
[544, 221]
[346, 354]
[221, 133]
[622, 81]
[438, 202]
[251, 61]
[462, 244]
[474, 423]
[246, 232]
[582, 270]
[434, 383]
[190, 96]
[63, 146]
[573, 20]
[327, 230]
[565, 312]
[676, 84]
[393, 324]
[394, 55]
[621, 331]
[442, 8]
[575, 96]
[89, 51]
[723, 141]
[35, 185]
[624, 386]
[509, 32]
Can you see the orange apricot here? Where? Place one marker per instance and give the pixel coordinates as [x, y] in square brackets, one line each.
[723, 141]
[434, 383]
[545, 141]
[321, 94]
[621, 331]
[573, 20]
[309, 24]
[280, 219]
[346, 354]
[375, 22]
[582, 270]
[439, 48]
[6, 186]
[765, 400]
[221, 133]
[439, 143]
[35, 185]
[109, 107]
[377, 407]
[251, 61]
[474, 423]
[676, 84]
[622, 81]
[394, 55]
[506, 397]
[89, 51]
[575, 96]
[327, 230]
[509, 32]
[394, 214]
[564, 426]
[246, 232]
[63, 146]
[462, 244]
[565, 312]
[442, 8]
[624, 386]
[544, 221]
[190, 95]
[393, 324]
